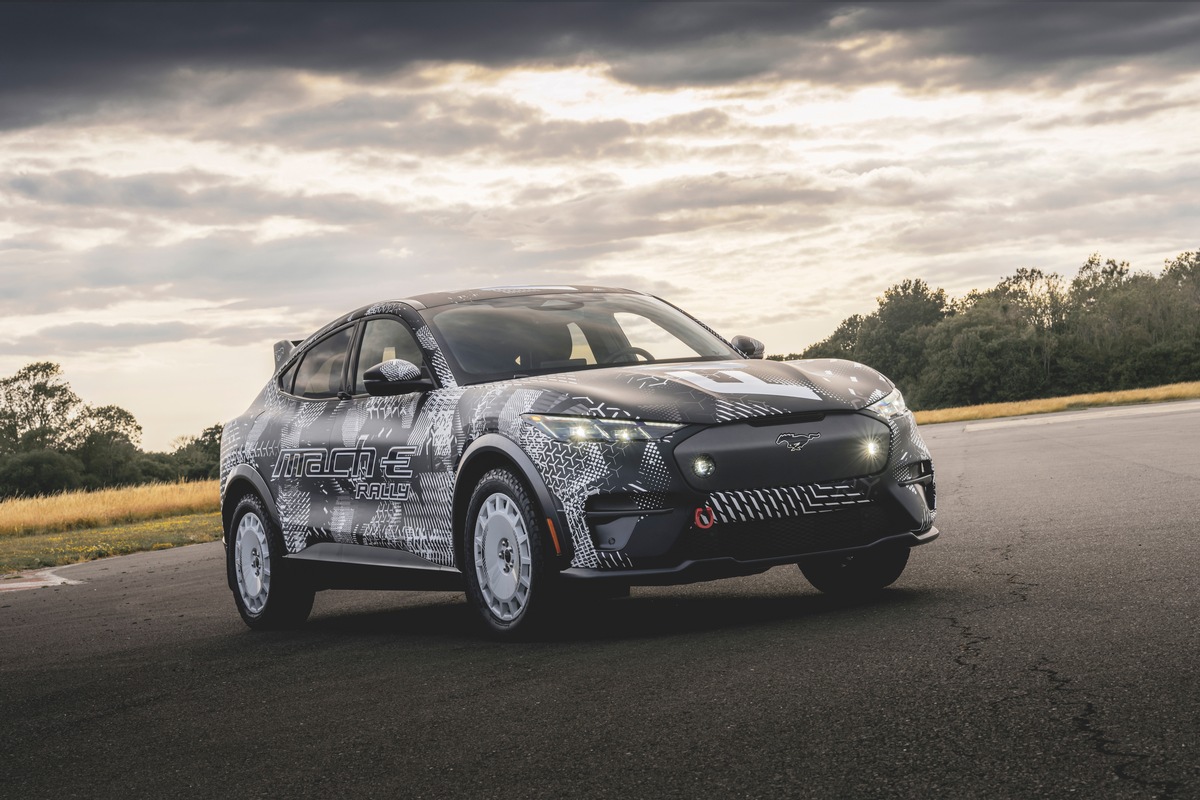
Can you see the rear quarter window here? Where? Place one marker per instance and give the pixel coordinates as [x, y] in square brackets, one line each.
[319, 373]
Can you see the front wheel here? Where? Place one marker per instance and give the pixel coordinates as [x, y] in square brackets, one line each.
[269, 595]
[508, 580]
[856, 574]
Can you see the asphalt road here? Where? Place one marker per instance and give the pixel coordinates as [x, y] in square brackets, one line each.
[1045, 646]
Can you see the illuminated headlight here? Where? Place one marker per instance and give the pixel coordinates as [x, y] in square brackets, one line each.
[595, 429]
[872, 448]
[890, 406]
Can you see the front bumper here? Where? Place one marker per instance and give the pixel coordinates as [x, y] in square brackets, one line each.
[707, 569]
[655, 517]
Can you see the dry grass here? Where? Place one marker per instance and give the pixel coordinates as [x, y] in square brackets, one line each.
[1157, 394]
[41, 550]
[80, 510]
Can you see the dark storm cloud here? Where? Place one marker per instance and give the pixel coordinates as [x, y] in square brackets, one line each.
[64, 59]
[1010, 41]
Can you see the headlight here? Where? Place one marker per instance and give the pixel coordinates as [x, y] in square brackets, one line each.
[595, 429]
[890, 406]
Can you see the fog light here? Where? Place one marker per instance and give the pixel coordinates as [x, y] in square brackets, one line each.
[704, 466]
[872, 449]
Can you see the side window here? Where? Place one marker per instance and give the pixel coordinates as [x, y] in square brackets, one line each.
[383, 339]
[320, 372]
[288, 377]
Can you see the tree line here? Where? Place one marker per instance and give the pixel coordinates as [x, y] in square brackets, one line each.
[52, 441]
[1034, 334]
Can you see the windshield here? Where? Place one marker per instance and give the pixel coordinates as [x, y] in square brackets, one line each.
[508, 337]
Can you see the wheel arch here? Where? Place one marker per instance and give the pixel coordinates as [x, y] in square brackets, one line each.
[492, 451]
[243, 480]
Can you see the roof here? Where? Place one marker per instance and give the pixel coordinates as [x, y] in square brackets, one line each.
[433, 299]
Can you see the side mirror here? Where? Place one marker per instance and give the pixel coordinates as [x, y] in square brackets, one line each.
[396, 376]
[747, 346]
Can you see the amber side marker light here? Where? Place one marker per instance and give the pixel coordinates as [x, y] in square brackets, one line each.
[554, 537]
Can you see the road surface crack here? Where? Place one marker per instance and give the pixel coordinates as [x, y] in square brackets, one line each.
[1101, 741]
[971, 649]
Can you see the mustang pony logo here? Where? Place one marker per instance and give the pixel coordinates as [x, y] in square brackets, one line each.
[796, 441]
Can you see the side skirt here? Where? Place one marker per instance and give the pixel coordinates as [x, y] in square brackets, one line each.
[334, 565]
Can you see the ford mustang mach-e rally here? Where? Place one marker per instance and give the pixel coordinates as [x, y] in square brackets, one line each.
[512, 442]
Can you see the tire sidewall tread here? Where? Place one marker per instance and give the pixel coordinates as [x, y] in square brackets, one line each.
[289, 597]
[858, 575]
[533, 617]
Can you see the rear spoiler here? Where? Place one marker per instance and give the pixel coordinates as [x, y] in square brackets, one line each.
[283, 349]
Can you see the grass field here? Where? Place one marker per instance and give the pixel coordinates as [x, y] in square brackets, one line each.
[39, 550]
[80, 526]
[1157, 394]
[70, 511]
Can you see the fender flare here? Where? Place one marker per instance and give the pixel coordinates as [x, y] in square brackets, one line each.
[497, 444]
[248, 474]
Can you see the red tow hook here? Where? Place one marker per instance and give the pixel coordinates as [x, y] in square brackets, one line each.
[705, 517]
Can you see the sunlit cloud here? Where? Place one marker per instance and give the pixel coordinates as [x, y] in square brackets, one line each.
[772, 168]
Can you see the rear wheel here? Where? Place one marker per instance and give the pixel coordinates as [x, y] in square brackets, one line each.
[269, 595]
[508, 580]
[856, 574]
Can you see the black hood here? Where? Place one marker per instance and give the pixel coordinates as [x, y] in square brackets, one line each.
[706, 392]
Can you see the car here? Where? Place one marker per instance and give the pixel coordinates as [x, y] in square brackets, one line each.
[531, 446]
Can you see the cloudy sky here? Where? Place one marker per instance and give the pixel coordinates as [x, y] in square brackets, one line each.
[182, 185]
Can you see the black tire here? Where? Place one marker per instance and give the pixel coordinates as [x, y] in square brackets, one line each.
[269, 593]
[858, 574]
[509, 581]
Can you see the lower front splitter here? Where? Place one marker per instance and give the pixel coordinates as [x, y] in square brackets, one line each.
[707, 569]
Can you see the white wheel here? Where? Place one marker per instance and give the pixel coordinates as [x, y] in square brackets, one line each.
[270, 593]
[510, 584]
[503, 563]
[252, 566]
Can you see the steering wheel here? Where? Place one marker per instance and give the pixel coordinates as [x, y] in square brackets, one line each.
[629, 351]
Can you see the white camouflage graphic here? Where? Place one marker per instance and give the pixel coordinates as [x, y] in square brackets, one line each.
[382, 471]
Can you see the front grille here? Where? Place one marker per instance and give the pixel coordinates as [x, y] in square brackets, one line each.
[790, 536]
[749, 455]
[785, 501]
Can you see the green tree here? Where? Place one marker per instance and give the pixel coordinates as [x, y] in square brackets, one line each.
[199, 457]
[40, 409]
[40, 413]
[108, 446]
[156, 468]
[1183, 270]
[37, 472]
[1033, 334]
[842, 343]
[1041, 300]
[893, 338]
[1095, 280]
[985, 354]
